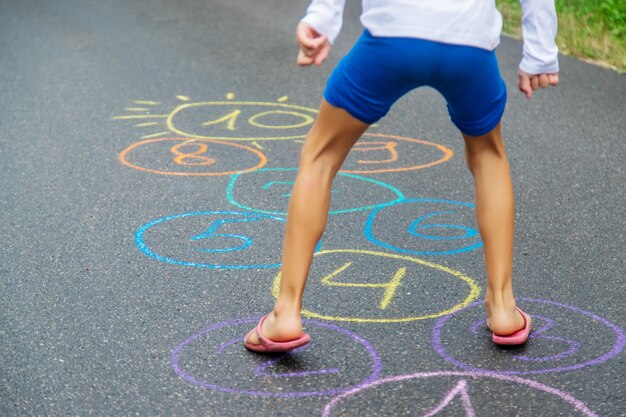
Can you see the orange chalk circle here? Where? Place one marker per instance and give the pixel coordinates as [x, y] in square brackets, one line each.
[370, 157]
[185, 155]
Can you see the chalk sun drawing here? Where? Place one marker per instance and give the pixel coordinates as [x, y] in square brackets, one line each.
[228, 119]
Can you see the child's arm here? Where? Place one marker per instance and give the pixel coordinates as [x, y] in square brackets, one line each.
[540, 66]
[318, 30]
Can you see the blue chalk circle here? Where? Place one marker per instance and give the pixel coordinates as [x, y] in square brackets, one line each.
[267, 190]
[424, 235]
[205, 239]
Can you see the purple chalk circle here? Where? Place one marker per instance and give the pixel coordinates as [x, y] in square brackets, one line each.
[554, 345]
[215, 359]
[460, 392]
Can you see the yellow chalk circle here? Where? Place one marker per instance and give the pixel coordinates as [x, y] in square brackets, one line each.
[390, 287]
[233, 115]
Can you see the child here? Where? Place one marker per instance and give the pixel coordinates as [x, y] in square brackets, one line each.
[445, 44]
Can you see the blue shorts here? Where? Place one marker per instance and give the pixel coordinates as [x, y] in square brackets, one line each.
[378, 71]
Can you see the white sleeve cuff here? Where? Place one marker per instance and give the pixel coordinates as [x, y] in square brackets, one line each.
[530, 66]
[539, 26]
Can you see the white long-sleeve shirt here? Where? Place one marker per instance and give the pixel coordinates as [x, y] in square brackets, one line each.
[461, 22]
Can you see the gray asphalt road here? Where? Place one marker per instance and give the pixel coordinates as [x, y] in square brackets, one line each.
[142, 215]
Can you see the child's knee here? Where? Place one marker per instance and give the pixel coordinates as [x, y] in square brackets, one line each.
[319, 165]
[486, 152]
[315, 173]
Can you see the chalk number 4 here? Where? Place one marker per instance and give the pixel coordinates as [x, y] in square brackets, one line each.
[390, 287]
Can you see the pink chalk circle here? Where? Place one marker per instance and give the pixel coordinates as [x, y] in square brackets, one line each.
[461, 390]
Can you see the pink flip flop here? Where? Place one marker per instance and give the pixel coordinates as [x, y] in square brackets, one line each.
[269, 346]
[517, 338]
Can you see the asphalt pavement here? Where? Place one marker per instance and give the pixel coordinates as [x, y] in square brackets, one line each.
[147, 150]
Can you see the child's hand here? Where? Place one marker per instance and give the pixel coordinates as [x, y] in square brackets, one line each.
[314, 47]
[530, 82]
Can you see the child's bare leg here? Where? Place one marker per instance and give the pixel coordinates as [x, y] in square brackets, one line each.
[495, 212]
[326, 146]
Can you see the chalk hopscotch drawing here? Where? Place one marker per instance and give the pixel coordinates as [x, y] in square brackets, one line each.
[206, 138]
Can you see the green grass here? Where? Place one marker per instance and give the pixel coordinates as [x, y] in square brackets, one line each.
[589, 29]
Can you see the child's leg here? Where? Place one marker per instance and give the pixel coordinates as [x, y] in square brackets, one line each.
[326, 146]
[495, 212]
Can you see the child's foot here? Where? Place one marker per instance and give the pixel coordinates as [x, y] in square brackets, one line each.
[503, 320]
[283, 329]
[518, 337]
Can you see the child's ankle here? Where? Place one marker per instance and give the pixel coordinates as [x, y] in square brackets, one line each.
[500, 300]
[284, 309]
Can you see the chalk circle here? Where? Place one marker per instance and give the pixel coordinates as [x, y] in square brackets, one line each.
[207, 358]
[563, 345]
[375, 294]
[241, 120]
[425, 226]
[212, 239]
[430, 401]
[393, 153]
[267, 190]
[197, 157]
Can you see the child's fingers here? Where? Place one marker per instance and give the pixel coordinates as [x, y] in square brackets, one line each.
[530, 82]
[313, 47]
[524, 84]
[534, 82]
[322, 55]
[309, 39]
[303, 60]
[553, 79]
